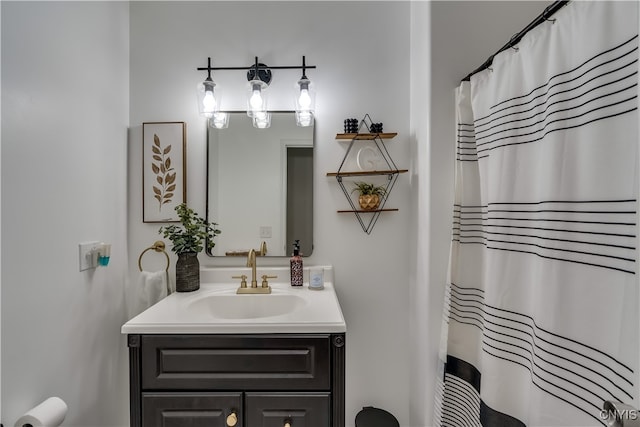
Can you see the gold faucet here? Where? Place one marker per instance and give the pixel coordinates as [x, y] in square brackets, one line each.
[254, 289]
[251, 262]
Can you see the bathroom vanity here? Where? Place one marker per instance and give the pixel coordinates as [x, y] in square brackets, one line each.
[214, 358]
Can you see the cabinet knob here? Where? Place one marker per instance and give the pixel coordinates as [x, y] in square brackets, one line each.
[232, 420]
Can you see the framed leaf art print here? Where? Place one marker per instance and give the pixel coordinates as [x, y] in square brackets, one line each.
[164, 167]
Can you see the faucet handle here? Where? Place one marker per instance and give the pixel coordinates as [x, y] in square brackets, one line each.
[243, 282]
[265, 283]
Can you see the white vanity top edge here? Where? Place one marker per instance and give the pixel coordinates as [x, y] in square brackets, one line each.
[216, 309]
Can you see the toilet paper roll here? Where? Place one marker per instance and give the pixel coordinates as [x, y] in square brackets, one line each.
[49, 413]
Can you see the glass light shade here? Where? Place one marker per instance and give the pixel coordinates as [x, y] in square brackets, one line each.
[305, 99]
[262, 120]
[256, 97]
[208, 98]
[304, 118]
[220, 120]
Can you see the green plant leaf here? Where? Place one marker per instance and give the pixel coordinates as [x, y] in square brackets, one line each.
[193, 234]
[366, 189]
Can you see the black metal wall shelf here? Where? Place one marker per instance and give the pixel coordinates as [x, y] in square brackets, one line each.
[368, 218]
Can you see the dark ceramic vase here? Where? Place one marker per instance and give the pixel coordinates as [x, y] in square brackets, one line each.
[187, 272]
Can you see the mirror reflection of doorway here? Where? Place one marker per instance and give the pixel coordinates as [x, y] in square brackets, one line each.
[299, 199]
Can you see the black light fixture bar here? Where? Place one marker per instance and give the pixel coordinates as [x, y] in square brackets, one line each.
[260, 66]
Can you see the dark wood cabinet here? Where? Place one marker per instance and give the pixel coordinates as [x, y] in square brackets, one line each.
[264, 379]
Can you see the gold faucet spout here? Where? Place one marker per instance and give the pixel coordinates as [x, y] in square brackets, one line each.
[251, 262]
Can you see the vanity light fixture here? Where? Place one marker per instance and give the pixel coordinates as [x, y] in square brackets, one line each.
[220, 120]
[208, 105]
[305, 99]
[262, 119]
[259, 76]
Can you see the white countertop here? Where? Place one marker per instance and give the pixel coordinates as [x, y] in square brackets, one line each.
[216, 308]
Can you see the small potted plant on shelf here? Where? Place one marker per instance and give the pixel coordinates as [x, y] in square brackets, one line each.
[188, 240]
[370, 195]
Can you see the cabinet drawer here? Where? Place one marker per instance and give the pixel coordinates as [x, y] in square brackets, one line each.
[236, 362]
[299, 409]
[190, 409]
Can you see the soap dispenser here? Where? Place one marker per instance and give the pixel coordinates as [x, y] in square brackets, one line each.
[296, 265]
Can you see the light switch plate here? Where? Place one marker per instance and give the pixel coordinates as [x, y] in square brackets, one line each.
[85, 259]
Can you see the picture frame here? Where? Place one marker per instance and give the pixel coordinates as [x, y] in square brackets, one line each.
[164, 170]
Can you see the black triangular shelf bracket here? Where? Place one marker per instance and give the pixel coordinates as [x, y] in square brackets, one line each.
[368, 218]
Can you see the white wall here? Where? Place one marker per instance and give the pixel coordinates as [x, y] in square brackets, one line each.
[64, 120]
[424, 308]
[362, 53]
[455, 39]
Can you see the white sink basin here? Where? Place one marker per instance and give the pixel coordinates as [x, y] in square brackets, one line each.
[223, 306]
[216, 308]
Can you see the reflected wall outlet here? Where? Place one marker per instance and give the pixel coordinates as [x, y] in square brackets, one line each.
[265, 231]
[88, 256]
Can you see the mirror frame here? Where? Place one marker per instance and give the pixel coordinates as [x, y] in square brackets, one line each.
[207, 154]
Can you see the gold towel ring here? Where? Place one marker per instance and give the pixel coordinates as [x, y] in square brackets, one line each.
[157, 246]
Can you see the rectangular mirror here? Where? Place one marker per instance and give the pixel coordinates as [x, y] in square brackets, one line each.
[260, 185]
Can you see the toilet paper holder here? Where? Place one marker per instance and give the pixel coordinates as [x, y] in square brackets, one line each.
[617, 414]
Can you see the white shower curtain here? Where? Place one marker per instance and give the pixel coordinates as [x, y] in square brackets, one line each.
[541, 310]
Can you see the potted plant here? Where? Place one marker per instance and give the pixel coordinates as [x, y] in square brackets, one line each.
[370, 195]
[188, 240]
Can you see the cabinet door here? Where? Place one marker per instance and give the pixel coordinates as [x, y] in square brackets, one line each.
[191, 409]
[278, 409]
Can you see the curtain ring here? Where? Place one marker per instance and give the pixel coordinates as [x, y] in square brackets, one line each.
[512, 45]
[545, 17]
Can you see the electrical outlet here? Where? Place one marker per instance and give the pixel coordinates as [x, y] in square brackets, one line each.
[265, 231]
[86, 258]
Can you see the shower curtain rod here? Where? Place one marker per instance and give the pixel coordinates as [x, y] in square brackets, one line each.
[544, 16]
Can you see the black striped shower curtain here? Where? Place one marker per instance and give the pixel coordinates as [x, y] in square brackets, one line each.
[541, 313]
